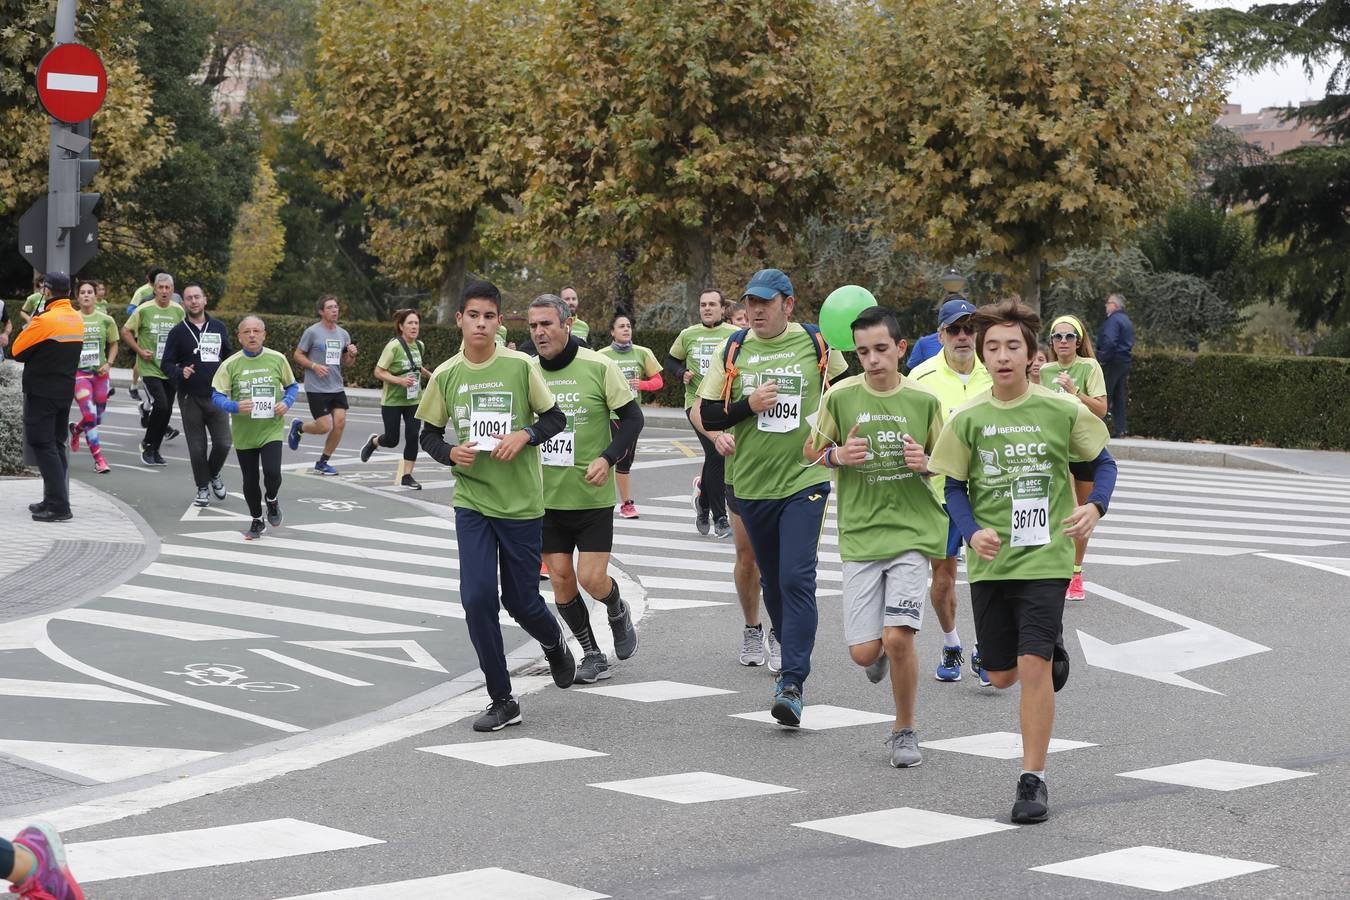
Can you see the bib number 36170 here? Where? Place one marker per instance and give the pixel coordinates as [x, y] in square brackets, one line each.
[1031, 511]
[489, 419]
[786, 413]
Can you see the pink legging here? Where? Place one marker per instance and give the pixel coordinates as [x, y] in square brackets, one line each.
[91, 393]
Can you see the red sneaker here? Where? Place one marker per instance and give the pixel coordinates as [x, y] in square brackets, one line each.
[1075, 591]
[74, 436]
[628, 509]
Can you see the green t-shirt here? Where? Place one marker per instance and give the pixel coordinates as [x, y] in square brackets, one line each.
[500, 339]
[885, 508]
[695, 347]
[263, 378]
[394, 361]
[151, 324]
[1084, 371]
[1014, 457]
[32, 303]
[101, 306]
[100, 333]
[489, 400]
[584, 388]
[581, 329]
[769, 464]
[143, 294]
[637, 364]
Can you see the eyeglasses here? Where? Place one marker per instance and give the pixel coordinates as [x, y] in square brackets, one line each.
[960, 328]
[1064, 336]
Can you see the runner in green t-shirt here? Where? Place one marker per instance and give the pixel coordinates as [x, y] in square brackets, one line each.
[256, 387]
[32, 305]
[643, 373]
[578, 493]
[147, 333]
[877, 429]
[688, 358]
[401, 368]
[97, 354]
[580, 330]
[772, 393]
[1074, 371]
[1006, 456]
[490, 397]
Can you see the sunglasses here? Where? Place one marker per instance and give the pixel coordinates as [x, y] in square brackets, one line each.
[1063, 336]
[965, 328]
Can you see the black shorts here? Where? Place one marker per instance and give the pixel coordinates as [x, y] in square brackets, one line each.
[1017, 618]
[321, 405]
[587, 530]
[732, 506]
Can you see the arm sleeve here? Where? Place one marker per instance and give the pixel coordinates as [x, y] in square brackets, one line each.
[655, 383]
[434, 443]
[631, 421]
[1102, 473]
[292, 391]
[550, 422]
[675, 366]
[221, 402]
[958, 508]
[715, 418]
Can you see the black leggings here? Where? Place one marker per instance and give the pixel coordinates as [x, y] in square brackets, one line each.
[6, 858]
[269, 457]
[625, 462]
[412, 426]
[713, 485]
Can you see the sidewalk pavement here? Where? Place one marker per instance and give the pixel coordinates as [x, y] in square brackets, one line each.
[1327, 463]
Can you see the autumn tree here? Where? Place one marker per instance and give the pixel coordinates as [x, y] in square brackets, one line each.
[411, 100]
[666, 130]
[257, 245]
[1017, 131]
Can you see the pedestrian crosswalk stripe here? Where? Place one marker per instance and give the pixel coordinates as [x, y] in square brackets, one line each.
[705, 566]
[364, 532]
[310, 668]
[1154, 868]
[1177, 472]
[266, 611]
[177, 851]
[66, 690]
[1228, 489]
[671, 603]
[693, 787]
[261, 559]
[906, 827]
[101, 762]
[822, 717]
[1106, 529]
[1182, 502]
[997, 745]
[414, 655]
[426, 522]
[1216, 774]
[329, 548]
[475, 884]
[1178, 510]
[1160, 547]
[658, 582]
[172, 628]
[513, 752]
[1115, 516]
[654, 691]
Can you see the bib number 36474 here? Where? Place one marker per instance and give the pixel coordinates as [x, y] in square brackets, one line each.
[489, 419]
[1031, 511]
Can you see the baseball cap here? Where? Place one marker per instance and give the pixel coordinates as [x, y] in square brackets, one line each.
[768, 283]
[58, 283]
[955, 309]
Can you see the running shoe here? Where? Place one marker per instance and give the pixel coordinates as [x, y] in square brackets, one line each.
[1059, 665]
[977, 666]
[703, 521]
[51, 878]
[147, 458]
[787, 704]
[498, 715]
[722, 527]
[628, 509]
[904, 749]
[543, 571]
[218, 486]
[37, 507]
[293, 436]
[203, 497]
[1075, 591]
[112, 392]
[410, 482]
[323, 468]
[274, 513]
[1033, 801]
[698, 493]
[775, 653]
[368, 449]
[562, 665]
[170, 433]
[625, 635]
[752, 646]
[136, 394]
[949, 669]
[877, 670]
[74, 436]
[159, 460]
[594, 667]
[255, 530]
[101, 465]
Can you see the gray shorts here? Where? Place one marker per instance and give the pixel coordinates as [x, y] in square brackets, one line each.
[884, 592]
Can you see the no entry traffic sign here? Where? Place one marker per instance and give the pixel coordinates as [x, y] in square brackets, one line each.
[72, 82]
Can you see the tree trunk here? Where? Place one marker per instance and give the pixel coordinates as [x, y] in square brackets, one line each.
[452, 280]
[1033, 270]
[697, 268]
[624, 302]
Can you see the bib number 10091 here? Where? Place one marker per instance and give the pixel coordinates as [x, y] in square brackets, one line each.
[489, 419]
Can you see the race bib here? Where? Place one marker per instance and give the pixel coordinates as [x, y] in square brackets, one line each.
[489, 419]
[89, 355]
[561, 449]
[332, 352]
[786, 413]
[209, 348]
[702, 359]
[415, 389]
[1031, 511]
[161, 340]
[264, 402]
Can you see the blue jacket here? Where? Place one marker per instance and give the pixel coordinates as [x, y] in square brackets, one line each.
[1116, 339]
[929, 345]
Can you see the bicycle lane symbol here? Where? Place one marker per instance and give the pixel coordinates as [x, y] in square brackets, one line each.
[222, 675]
[332, 505]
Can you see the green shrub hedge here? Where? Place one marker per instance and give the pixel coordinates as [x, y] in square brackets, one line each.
[1337, 343]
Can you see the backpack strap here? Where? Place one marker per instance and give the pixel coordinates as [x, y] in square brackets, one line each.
[822, 354]
[729, 354]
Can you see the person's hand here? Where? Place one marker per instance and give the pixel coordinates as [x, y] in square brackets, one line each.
[464, 454]
[597, 473]
[246, 405]
[187, 372]
[853, 452]
[1066, 383]
[725, 443]
[281, 408]
[764, 397]
[509, 446]
[104, 369]
[351, 351]
[145, 354]
[409, 380]
[688, 376]
[321, 371]
[1081, 522]
[915, 458]
[632, 383]
[986, 544]
[4, 340]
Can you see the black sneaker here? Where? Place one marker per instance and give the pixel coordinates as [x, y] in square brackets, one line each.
[136, 394]
[1033, 801]
[368, 450]
[148, 458]
[594, 667]
[703, 521]
[171, 433]
[255, 530]
[498, 715]
[37, 507]
[625, 635]
[1059, 666]
[158, 460]
[722, 527]
[273, 513]
[410, 482]
[562, 664]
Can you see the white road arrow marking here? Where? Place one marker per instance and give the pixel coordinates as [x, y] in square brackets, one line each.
[1161, 658]
[1337, 564]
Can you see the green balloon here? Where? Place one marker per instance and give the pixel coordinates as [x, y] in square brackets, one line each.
[838, 312]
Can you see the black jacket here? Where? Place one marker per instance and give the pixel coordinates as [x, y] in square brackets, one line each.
[181, 350]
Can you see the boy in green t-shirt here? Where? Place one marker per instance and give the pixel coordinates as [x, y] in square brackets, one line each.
[1007, 456]
[876, 429]
[491, 397]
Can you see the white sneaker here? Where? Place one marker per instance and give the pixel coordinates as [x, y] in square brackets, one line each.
[752, 646]
[775, 653]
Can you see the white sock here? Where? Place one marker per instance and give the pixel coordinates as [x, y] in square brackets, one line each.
[951, 638]
[1040, 774]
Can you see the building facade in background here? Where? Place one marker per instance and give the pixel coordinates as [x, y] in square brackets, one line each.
[1268, 130]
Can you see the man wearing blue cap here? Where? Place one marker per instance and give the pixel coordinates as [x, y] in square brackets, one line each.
[957, 376]
[765, 389]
